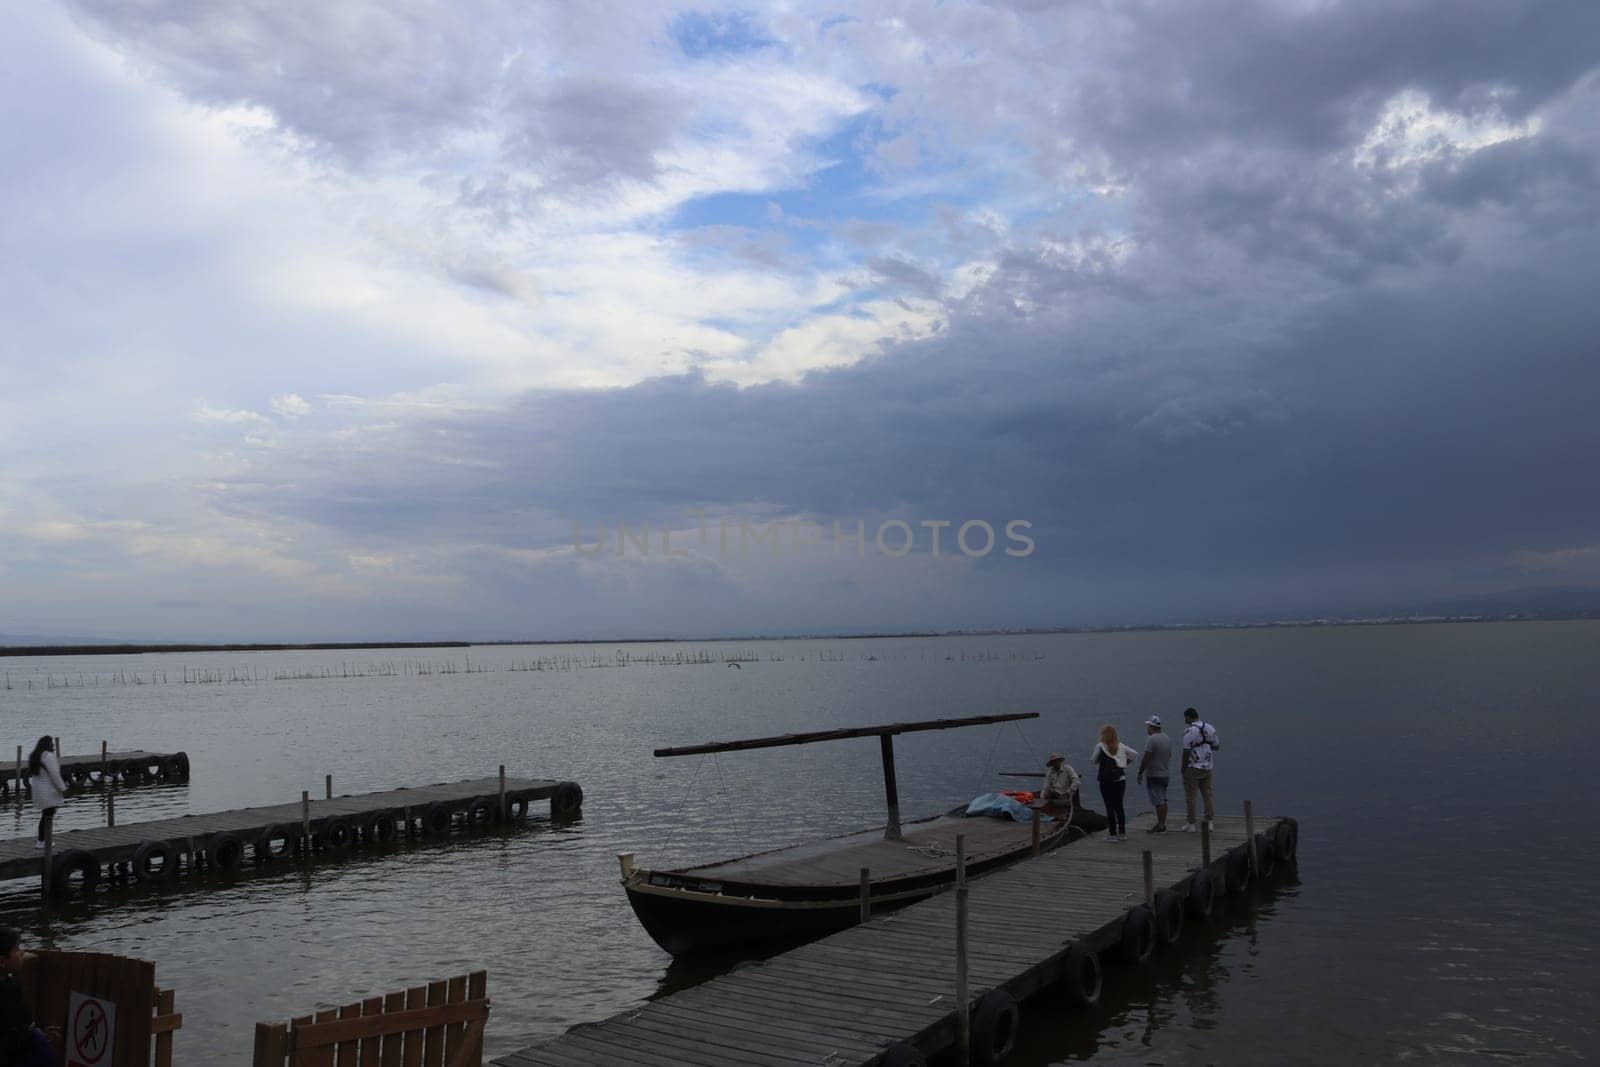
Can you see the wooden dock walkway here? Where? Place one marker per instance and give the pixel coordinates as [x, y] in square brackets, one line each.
[884, 992]
[226, 839]
[125, 768]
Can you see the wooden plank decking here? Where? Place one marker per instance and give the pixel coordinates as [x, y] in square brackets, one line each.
[189, 835]
[847, 998]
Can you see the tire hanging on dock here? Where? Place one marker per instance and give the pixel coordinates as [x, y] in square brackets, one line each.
[566, 800]
[291, 835]
[482, 811]
[1080, 976]
[1286, 840]
[336, 834]
[380, 829]
[517, 805]
[1138, 935]
[994, 1025]
[180, 766]
[146, 858]
[1169, 916]
[225, 851]
[1238, 870]
[437, 819]
[74, 862]
[1202, 894]
[1266, 858]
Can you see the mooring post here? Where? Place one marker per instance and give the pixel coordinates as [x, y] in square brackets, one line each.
[866, 893]
[19, 772]
[963, 1022]
[1205, 843]
[1036, 832]
[305, 819]
[111, 809]
[1149, 879]
[328, 783]
[49, 851]
[502, 792]
[891, 831]
[1250, 832]
[102, 764]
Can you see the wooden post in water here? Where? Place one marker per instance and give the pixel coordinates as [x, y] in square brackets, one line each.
[1149, 879]
[328, 782]
[49, 852]
[111, 809]
[963, 1022]
[1205, 843]
[1250, 831]
[19, 773]
[102, 764]
[891, 831]
[305, 819]
[502, 792]
[1036, 831]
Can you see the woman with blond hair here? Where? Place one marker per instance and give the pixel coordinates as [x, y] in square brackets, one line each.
[1111, 759]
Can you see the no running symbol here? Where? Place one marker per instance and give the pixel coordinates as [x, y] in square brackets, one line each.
[90, 1034]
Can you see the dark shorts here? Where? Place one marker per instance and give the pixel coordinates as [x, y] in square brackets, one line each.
[1157, 788]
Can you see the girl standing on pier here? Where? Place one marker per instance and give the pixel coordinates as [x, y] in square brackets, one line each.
[44, 779]
[1111, 759]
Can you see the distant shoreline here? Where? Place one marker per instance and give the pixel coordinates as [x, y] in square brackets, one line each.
[135, 648]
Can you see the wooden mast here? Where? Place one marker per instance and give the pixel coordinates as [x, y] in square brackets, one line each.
[884, 734]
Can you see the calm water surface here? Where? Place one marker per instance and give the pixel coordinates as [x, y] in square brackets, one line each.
[1442, 911]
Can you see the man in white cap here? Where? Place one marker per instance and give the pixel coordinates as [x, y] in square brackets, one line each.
[1153, 770]
[1060, 782]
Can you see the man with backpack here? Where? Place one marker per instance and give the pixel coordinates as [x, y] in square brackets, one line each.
[1199, 744]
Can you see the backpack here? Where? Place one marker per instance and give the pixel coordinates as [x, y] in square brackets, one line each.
[1208, 735]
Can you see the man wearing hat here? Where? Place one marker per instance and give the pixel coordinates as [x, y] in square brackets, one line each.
[1153, 770]
[1060, 782]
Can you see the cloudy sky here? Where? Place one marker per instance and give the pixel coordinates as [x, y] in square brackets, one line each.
[375, 320]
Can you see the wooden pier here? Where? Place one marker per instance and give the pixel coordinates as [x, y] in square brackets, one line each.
[884, 993]
[124, 768]
[224, 840]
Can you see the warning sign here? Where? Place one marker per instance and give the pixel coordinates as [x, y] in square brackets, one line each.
[91, 1024]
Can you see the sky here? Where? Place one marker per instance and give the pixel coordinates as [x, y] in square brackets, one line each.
[519, 320]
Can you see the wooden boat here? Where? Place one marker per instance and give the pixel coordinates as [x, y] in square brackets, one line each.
[804, 891]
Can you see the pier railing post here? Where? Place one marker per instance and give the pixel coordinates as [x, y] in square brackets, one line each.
[20, 782]
[305, 819]
[1250, 832]
[1149, 879]
[502, 792]
[963, 1021]
[1036, 818]
[328, 784]
[102, 764]
[1205, 843]
[866, 893]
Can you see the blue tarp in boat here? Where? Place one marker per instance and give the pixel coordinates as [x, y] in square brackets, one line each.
[1003, 807]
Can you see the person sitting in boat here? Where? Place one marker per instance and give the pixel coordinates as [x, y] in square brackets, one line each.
[1060, 789]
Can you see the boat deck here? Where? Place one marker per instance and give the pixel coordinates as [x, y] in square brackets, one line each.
[926, 847]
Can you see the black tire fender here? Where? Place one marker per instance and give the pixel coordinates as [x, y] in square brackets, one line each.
[225, 851]
[1286, 840]
[437, 819]
[482, 811]
[74, 862]
[1238, 870]
[994, 1024]
[567, 800]
[293, 839]
[1266, 857]
[337, 833]
[517, 805]
[1081, 976]
[1202, 894]
[1169, 916]
[1138, 935]
[144, 858]
[381, 828]
[180, 765]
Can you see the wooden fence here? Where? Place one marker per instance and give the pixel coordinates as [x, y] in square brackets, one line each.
[144, 1013]
[436, 1025]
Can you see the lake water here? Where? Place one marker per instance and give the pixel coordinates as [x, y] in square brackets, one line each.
[1443, 908]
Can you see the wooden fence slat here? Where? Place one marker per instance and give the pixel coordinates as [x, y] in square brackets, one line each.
[433, 1041]
[314, 1057]
[372, 1047]
[349, 1047]
[393, 1044]
[356, 1028]
[415, 998]
[454, 1033]
[166, 1021]
[272, 1045]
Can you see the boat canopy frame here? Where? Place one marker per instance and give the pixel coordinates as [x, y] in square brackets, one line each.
[885, 735]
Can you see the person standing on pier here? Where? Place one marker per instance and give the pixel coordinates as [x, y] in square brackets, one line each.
[1153, 770]
[1111, 759]
[1199, 744]
[45, 782]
